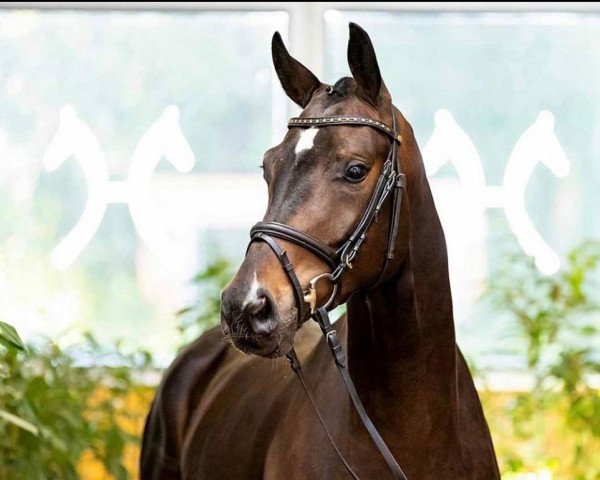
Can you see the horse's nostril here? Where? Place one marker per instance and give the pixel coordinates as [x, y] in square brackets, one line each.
[262, 326]
[257, 306]
[259, 316]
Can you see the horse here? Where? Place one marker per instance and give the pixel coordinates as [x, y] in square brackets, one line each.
[230, 408]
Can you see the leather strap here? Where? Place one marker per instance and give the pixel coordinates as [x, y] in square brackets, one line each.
[337, 351]
[399, 186]
[279, 230]
[297, 368]
[351, 247]
[288, 269]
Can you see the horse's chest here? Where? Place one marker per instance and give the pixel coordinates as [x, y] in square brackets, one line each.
[282, 441]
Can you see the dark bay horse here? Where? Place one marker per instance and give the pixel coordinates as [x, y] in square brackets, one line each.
[221, 414]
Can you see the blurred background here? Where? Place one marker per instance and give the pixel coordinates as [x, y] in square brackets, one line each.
[130, 142]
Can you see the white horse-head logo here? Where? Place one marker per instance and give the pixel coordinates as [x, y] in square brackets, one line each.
[538, 144]
[164, 139]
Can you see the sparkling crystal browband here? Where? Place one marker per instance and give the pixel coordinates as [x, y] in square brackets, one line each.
[344, 120]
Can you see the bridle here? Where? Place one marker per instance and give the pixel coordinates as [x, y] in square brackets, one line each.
[391, 180]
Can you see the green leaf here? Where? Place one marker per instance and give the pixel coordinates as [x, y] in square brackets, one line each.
[19, 422]
[183, 311]
[9, 337]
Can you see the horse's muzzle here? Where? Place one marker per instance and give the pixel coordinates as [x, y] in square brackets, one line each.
[250, 320]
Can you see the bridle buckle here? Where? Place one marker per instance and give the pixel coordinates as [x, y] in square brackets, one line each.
[311, 296]
[311, 299]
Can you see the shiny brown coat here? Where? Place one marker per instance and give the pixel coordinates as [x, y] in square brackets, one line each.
[220, 414]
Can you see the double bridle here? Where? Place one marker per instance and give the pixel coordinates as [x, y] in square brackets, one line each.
[391, 180]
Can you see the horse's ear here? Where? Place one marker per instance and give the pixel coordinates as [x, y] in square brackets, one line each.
[363, 64]
[298, 81]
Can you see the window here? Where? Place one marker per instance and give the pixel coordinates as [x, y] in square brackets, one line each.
[130, 141]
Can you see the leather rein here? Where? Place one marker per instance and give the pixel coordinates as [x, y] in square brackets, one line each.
[391, 181]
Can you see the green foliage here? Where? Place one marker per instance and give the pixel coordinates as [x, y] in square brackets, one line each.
[545, 306]
[59, 405]
[55, 407]
[558, 318]
[9, 337]
[196, 318]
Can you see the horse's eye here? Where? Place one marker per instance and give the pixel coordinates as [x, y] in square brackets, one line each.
[356, 173]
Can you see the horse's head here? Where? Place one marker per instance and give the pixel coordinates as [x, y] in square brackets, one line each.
[320, 181]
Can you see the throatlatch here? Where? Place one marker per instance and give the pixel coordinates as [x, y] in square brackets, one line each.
[390, 180]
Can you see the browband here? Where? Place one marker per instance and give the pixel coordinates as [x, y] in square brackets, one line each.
[345, 120]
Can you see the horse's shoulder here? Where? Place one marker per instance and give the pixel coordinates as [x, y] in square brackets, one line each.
[191, 371]
[182, 385]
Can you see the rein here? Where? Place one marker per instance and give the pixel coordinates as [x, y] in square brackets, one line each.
[391, 180]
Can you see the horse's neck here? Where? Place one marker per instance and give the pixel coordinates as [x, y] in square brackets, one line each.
[401, 342]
